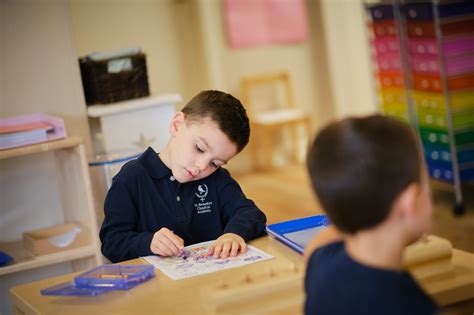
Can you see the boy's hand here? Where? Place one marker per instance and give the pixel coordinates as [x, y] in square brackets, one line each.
[228, 244]
[166, 243]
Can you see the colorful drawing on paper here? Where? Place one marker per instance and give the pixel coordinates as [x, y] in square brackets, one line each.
[197, 262]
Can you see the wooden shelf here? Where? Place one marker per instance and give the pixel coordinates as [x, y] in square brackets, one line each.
[71, 173]
[24, 260]
[41, 147]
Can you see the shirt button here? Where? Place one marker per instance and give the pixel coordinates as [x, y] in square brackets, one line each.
[178, 198]
[172, 178]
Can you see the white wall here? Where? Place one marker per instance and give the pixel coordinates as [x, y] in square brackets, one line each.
[225, 67]
[39, 72]
[2, 58]
[348, 57]
[103, 25]
[42, 74]
[40, 63]
[186, 45]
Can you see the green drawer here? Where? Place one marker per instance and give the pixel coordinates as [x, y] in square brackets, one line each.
[440, 137]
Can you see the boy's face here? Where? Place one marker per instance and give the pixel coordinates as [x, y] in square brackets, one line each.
[197, 148]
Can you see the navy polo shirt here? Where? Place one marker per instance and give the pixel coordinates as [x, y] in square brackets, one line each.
[145, 197]
[337, 284]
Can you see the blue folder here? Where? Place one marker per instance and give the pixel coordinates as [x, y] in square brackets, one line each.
[297, 233]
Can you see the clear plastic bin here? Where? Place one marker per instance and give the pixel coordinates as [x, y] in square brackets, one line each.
[103, 168]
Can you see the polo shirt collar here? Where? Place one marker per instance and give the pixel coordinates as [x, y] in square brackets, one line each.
[153, 164]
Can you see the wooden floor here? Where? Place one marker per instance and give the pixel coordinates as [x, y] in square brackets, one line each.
[285, 194]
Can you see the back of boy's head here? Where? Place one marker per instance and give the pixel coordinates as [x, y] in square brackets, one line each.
[225, 110]
[359, 166]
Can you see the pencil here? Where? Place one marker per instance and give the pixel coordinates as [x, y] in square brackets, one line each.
[113, 276]
[182, 254]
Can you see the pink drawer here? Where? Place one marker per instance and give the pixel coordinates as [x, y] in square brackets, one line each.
[422, 46]
[453, 46]
[460, 64]
[423, 64]
[385, 45]
[455, 65]
[389, 62]
[459, 45]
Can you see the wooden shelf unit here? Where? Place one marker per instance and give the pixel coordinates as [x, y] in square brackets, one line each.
[76, 202]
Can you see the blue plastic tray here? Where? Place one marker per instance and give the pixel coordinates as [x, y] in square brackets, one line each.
[103, 279]
[120, 277]
[71, 289]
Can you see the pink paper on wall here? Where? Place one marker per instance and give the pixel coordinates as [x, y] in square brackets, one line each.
[259, 22]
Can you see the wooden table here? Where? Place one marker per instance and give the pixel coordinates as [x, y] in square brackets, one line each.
[162, 295]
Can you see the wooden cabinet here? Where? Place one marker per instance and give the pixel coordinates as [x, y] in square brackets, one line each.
[71, 177]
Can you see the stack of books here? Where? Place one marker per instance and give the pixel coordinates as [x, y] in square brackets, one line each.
[28, 129]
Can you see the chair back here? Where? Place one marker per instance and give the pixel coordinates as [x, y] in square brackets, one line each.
[267, 92]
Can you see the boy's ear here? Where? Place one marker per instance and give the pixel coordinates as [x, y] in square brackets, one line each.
[177, 122]
[406, 203]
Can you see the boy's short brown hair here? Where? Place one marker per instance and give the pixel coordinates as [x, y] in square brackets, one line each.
[223, 109]
[358, 167]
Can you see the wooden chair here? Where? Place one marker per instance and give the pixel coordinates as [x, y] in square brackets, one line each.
[267, 121]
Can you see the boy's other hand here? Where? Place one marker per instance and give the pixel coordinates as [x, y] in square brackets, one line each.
[166, 243]
[228, 244]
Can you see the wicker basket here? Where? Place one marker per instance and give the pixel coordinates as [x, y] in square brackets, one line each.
[102, 86]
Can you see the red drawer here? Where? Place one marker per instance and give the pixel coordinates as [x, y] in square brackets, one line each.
[384, 28]
[421, 29]
[391, 79]
[427, 83]
[434, 84]
[461, 82]
[458, 27]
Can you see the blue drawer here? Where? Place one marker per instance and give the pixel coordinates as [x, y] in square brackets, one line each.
[444, 172]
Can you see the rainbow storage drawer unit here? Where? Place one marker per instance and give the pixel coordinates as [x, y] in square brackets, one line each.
[436, 45]
[384, 40]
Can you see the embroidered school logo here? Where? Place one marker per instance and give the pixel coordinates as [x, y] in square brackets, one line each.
[202, 191]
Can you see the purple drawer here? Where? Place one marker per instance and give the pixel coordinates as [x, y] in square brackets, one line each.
[381, 12]
[418, 11]
[385, 45]
[424, 11]
[459, 45]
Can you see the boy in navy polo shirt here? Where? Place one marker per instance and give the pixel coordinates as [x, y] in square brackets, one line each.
[159, 203]
[369, 178]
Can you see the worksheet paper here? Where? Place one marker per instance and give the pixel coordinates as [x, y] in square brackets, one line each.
[197, 262]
